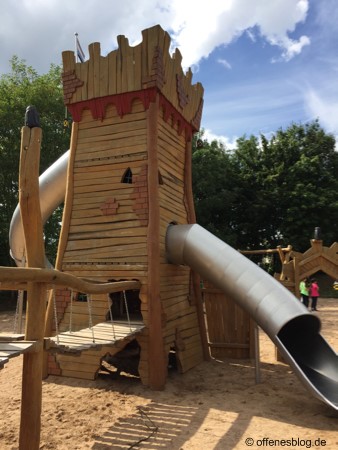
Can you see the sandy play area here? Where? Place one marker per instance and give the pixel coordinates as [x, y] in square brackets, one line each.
[216, 406]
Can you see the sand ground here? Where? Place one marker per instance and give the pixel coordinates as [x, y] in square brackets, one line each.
[216, 406]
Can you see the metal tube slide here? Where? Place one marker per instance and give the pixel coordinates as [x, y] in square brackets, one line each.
[293, 329]
[52, 185]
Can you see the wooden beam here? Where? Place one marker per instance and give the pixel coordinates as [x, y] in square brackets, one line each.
[157, 366]
[12, 276]
[64, 231]
[263, 252]
[228, 345]
[195, 278]
[29, 201]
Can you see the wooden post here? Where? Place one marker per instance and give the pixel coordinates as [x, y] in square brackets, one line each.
[20, 311]
[62, 239]
[196, 280]
[297, 279]
[156, 355]
[31, 397]
[257, 356]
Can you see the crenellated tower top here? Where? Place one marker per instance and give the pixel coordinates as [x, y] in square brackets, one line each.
[138, 71]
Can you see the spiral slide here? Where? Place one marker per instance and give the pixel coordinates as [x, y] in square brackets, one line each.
[52, 184]
[294, 330]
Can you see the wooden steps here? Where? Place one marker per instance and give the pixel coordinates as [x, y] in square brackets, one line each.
[11, 349]
[105, 334]
[5, 337]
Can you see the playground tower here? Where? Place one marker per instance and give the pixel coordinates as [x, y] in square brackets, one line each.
[134, 113]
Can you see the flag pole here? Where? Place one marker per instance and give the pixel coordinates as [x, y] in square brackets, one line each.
[80, 56]
[75, 46]
[66, 121]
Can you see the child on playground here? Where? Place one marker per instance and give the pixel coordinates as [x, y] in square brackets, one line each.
[304, 291]
[314, 294]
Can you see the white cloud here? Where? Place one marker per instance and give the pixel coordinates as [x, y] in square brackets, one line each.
[295, 47]
[198, 30]
[224, 63]
[291, 48]
[39, 30]
[229, 143]
[251, 35]
[323, 109]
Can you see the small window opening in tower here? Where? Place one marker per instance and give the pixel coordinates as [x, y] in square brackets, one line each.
[80, 297]
[160, 179]
[128, 176]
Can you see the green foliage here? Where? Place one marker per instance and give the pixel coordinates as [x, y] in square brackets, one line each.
[304, 166]
[213, 188]
[269, 192]
[19, 89]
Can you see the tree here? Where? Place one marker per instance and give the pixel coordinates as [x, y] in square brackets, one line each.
[252, 212]
[212, 187]
[269, 192]
[18, 89]
[303, 172]
[287, 185]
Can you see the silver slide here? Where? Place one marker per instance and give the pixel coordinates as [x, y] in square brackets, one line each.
[293, 329]
[52, 185]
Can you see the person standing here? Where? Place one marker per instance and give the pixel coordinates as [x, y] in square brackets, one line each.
[304, 292]
[314, 294]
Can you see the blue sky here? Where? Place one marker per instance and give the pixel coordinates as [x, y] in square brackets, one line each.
[263, 63]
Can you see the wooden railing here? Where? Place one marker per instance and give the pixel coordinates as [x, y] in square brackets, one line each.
[15, 278]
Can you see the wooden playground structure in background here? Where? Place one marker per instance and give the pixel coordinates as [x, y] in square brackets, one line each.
[231, 331]
[298, 266]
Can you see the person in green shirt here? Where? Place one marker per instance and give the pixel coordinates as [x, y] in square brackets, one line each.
[304, 292]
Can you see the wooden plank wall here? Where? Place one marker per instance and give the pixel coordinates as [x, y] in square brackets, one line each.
[103, 155]
[181, 330]
[230, 328]
[104, 227]
[101, 244]
[87, 365]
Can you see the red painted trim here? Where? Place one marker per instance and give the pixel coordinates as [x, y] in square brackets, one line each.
[169, 112]
[123, 103]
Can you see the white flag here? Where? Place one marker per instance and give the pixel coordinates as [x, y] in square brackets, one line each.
[79, 51]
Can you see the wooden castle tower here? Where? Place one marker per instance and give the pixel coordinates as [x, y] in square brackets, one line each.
[129, 177]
